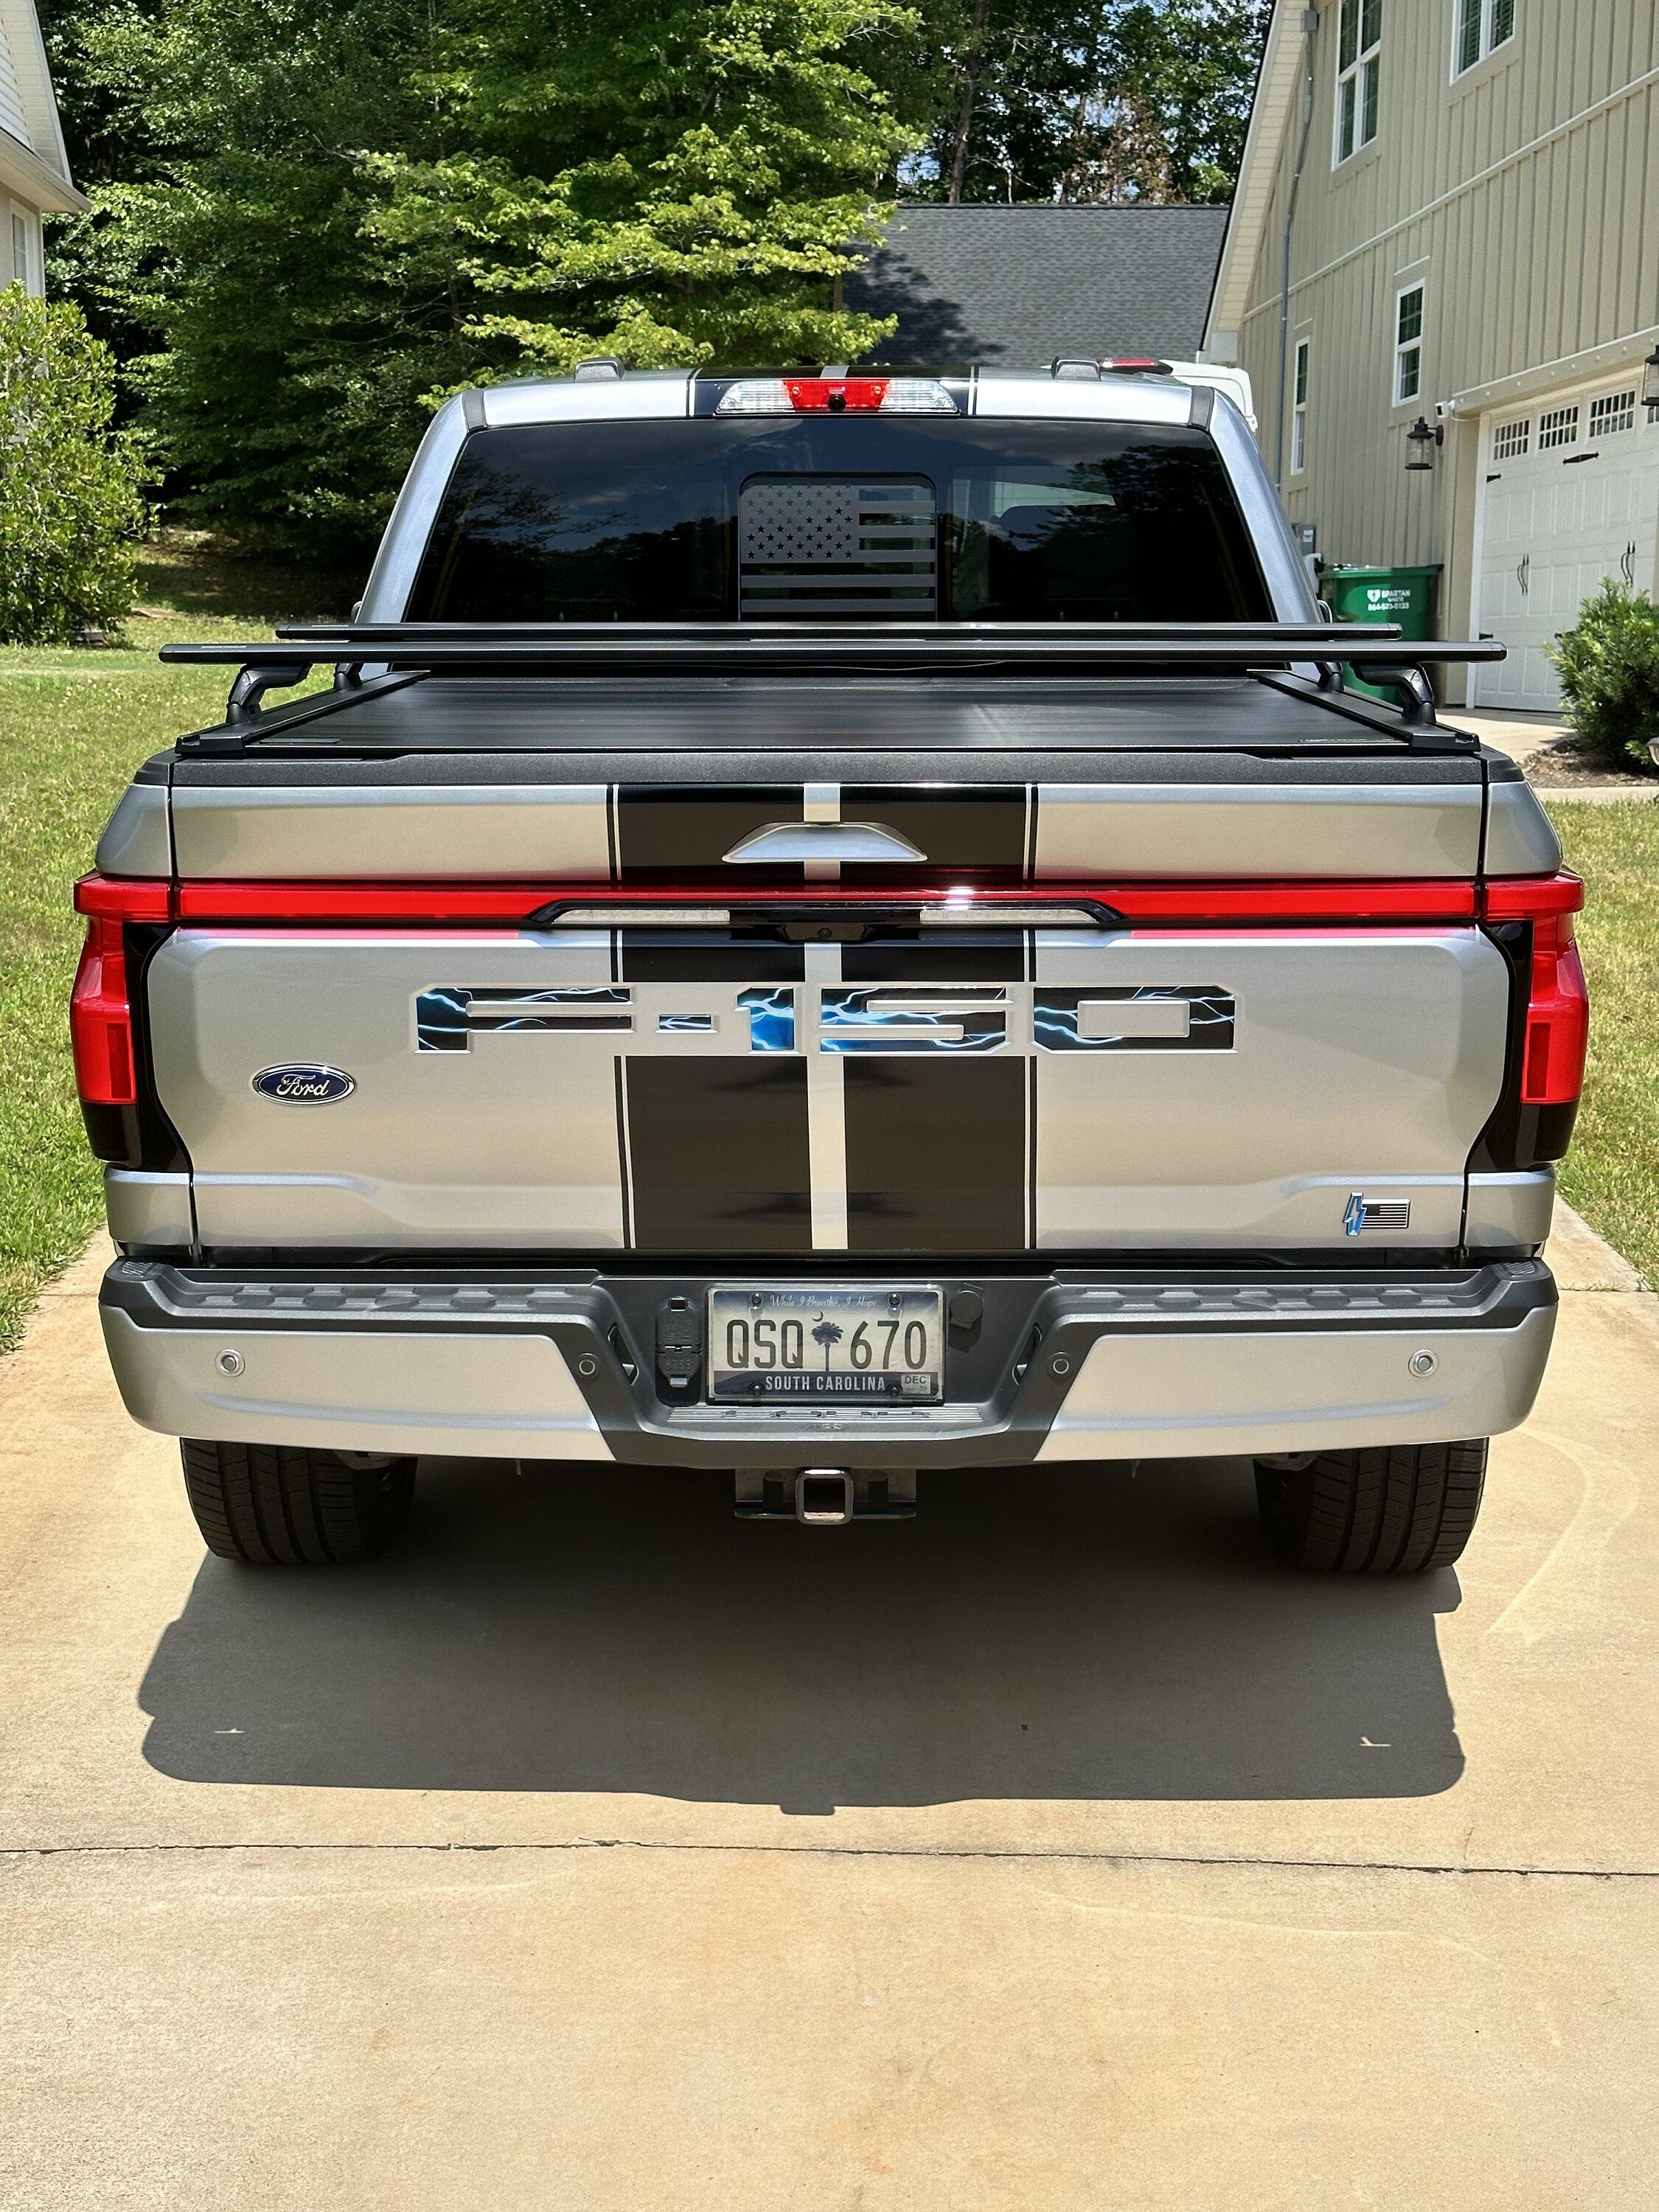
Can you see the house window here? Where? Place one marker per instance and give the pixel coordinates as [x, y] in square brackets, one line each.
[20, 248]
[1559, 428]
[1614, 410]
[1482, 26]
[1358, 50]
[1510, 440]
[1299, 409]
[1408, 345]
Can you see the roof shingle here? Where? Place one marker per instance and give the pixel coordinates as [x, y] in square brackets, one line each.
[1013, 286]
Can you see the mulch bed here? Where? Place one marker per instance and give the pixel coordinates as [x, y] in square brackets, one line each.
[1562, 766]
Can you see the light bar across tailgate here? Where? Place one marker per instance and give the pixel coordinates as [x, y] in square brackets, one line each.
[1167, 905]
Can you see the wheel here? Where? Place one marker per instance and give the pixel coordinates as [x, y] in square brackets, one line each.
[1397, 1510]
[276, 1505]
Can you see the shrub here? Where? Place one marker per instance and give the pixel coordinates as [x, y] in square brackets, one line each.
[1609, 665]
[70, 511]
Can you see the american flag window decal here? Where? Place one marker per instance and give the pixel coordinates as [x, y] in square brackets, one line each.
[834, 545]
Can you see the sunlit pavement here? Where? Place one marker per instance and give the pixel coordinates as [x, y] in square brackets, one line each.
[1054, 1850]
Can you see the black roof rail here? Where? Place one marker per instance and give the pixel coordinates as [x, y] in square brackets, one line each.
[554, 641]
[401, 652]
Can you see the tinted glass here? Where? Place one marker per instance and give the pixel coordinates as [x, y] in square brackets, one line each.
[836, 518]
[1469, 33]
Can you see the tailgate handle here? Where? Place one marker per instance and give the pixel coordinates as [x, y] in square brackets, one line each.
[779, 844]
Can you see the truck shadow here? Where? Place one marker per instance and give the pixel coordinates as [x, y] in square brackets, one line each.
[1084, 1633]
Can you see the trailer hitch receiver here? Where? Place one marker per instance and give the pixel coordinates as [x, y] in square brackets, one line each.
[825, 1497]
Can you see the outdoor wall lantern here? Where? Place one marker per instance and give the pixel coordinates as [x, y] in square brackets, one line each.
[1420, 443]
[1650, 383]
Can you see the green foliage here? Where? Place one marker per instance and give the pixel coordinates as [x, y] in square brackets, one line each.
[1612, 1173]
[714, 163]
[314, 217]
[75, 722]
[1609, 666]
[342, 209]
[69, 506]
[1112, 101]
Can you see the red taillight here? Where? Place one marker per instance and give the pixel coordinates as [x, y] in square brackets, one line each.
[1558, 1017]
[125, 898]
[1170, 904]
[100, 1019]
[836, 395]
[1525, 898]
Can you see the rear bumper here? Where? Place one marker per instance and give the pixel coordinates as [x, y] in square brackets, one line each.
[1096, 1365]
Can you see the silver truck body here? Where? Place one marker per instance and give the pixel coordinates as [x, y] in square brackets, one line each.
[1210, 1186]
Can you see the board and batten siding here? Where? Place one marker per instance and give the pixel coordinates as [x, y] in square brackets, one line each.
[12, 118]
[1523, 195]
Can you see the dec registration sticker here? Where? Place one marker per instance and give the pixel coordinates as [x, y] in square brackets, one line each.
[853, 1342]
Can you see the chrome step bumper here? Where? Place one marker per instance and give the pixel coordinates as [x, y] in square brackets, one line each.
[504, 1364]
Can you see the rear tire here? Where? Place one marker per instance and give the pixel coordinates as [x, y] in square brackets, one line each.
[273, 1506]
[1395, 1510]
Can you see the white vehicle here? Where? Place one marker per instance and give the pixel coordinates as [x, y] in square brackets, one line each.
[832, 926]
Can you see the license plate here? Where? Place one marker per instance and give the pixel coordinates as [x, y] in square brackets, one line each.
[881, 1345]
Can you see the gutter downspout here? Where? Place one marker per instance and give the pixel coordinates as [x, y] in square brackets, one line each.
[1310, 29]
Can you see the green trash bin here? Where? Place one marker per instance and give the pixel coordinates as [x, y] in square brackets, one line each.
[1405, 596]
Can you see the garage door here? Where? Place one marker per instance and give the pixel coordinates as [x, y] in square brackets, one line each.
[1572, 495]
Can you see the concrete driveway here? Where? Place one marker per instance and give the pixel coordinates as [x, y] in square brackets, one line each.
[1054, 1851]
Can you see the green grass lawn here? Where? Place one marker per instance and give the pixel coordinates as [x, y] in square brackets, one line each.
[75, 722]
[1612, 1173]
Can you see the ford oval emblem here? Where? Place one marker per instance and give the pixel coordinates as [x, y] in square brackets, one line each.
[303, 1085]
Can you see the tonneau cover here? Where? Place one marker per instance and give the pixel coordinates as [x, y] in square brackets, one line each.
[915, 713]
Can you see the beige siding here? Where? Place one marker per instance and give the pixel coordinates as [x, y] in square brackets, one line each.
[11, 98]
[1525, 196]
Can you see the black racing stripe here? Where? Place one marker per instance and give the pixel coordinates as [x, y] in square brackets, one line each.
[984, 829]
[718, 1146]
[623, 1174]
[936, 956]
[668, 831]
[692, 956]
[1028, 969]
[1031, 1153]
[936, 1149]
[719, 1155]
[936, 1154]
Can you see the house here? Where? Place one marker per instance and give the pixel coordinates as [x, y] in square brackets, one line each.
[1447, 215]
[34, 177]
[1013, 286]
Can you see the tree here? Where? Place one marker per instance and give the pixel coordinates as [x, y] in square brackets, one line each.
[1045, 99]
[352, 207]
[315, 218]
[70, 511]
[990, 85]
[1192, 68]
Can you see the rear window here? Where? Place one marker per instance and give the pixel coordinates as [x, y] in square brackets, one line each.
[839, 518]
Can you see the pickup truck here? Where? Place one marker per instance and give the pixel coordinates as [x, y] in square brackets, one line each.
[829, 927]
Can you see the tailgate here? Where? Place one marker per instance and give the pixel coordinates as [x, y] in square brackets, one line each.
[703, 1090]
[1280, 1072]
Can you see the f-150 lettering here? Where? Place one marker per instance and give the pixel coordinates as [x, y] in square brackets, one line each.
[890, 1019]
